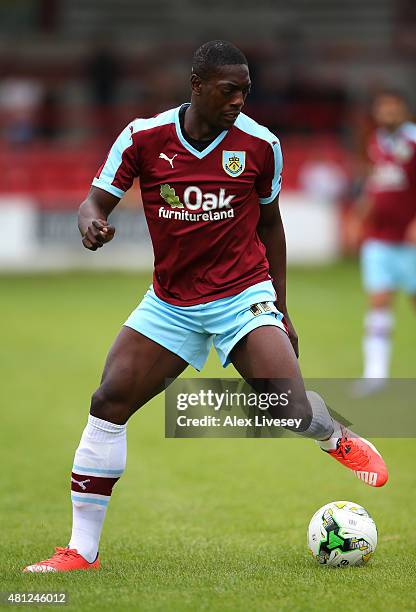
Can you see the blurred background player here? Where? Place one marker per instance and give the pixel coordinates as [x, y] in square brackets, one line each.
[388, 215]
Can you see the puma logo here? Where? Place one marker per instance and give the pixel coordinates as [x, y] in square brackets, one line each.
[368, 477]
[168, 159]
[81, 483]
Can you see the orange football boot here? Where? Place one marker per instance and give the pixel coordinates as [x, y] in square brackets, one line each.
[64, 560]
[360, 456]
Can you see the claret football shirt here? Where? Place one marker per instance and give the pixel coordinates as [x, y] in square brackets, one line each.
[392, 183]
[201, 207]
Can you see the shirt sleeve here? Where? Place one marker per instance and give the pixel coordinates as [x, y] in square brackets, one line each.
[269, 182]
[120, 168]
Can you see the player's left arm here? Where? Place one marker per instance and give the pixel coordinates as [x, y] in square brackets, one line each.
[272, 234]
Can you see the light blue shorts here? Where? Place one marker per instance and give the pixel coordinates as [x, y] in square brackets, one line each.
[387, 266]
[189, 331]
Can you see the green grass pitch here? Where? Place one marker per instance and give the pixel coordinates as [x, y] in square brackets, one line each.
[193, 524]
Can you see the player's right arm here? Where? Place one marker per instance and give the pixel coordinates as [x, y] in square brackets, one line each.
[92, 218]
[111, 182]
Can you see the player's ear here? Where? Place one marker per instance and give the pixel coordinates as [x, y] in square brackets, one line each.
[196, 83]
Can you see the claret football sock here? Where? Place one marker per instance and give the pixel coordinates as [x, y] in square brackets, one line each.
[99, 462]
[377, 343]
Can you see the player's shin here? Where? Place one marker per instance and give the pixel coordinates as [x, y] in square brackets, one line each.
[321, 426]
[99, 462]
[306, 408]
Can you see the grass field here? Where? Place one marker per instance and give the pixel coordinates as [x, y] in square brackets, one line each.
[199, 524]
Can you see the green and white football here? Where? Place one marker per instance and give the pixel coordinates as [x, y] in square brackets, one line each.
[342, 534]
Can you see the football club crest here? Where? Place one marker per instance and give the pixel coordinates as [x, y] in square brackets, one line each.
[234, 162]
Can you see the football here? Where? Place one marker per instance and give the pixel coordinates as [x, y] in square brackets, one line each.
[342, 534]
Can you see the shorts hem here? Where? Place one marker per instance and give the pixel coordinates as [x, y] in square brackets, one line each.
[260, 322]
[380, 289]
[371, 289]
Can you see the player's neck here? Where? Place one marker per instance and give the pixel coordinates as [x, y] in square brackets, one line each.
[392, 129]
[196, 127]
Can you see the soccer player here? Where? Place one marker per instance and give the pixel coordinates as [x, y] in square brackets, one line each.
[210, 179]
[388, 255]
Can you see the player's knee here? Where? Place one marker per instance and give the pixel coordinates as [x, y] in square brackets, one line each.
[105, 405]
[380, 300]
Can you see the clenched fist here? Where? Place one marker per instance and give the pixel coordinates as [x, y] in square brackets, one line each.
[98, 233]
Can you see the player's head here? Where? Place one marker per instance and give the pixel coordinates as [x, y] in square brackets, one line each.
[390, 109]
[220, 82]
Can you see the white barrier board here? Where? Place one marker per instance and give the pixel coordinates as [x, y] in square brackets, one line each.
[37, 240]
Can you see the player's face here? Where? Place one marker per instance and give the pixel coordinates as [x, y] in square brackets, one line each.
[389, 111]
[221, 97]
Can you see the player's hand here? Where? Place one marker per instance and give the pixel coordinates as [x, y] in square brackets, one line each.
[410, 235]
[293, 337]
[98, 233]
